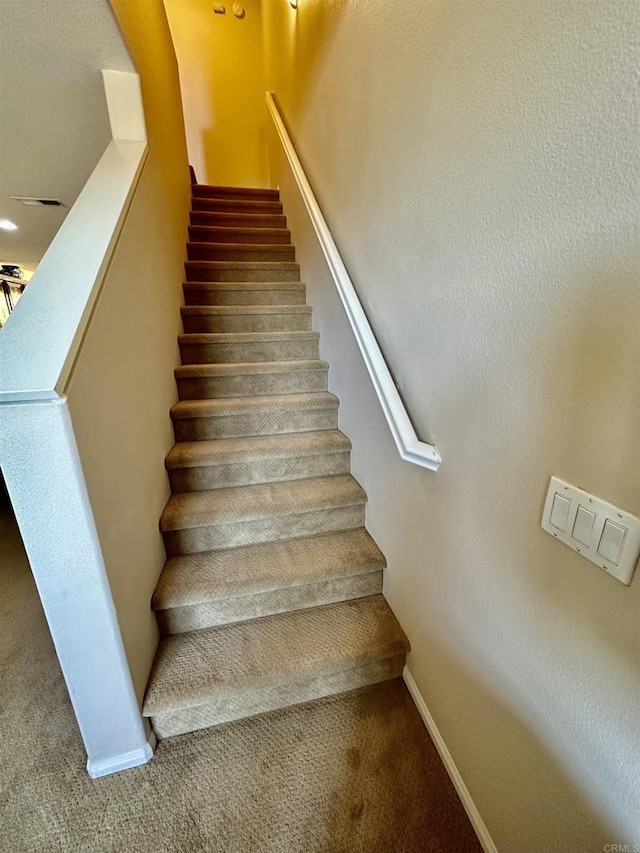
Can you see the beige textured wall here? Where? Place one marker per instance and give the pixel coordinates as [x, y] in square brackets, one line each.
[122, 385]
[478, 164]
[221, 74]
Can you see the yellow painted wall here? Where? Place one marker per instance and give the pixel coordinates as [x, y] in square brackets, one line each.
[146, 31]
[221, 76]
[478, 165]
[122, 385]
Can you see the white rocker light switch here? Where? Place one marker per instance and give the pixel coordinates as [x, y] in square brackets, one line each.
[583, 526]
[560, 512]
[612, 541]
[604, 534]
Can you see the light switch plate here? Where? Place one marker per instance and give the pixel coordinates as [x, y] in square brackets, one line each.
[604, 534]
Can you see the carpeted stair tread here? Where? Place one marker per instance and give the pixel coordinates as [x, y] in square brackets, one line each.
[226, 310]
[265, 500]
[246, 337]
[203, 464]
[251, 378]
[198, 371]
[243, 265]
[245, 318]
[200, 190]
[242, 270]
[240, 220]
[278, 248]
[191, 454]
[229, 234]
[240, 205]
[207, 347]
[230, 661]
[259, 404]
[243, 285]
[244, 292]
[196, 419]
[213, 575]
[240, 252]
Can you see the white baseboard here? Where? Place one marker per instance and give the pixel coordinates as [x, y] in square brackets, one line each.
[124, 761]
[469, 806]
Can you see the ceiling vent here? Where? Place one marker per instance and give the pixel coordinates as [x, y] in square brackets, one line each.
[38, 202]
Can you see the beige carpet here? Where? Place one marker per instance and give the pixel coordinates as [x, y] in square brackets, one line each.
[356, 772]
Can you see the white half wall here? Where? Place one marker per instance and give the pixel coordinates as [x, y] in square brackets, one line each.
[119, 394]
[86, 414]
[44, 477]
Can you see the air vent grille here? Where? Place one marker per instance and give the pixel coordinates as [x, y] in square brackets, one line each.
[38, 202]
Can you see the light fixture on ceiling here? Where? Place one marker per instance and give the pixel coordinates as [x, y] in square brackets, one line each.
[8, 225]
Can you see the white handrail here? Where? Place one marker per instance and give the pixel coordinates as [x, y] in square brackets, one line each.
[409, 446]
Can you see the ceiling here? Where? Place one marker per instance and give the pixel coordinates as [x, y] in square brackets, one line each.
[54, 125]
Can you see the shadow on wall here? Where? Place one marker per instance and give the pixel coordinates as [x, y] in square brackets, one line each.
[222, 83]
[4, 494]
[313, 44]
[223, 77]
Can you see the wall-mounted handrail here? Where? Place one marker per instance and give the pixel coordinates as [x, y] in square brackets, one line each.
[409, 446]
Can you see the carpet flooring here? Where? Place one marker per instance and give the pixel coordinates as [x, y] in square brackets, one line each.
[355, 773]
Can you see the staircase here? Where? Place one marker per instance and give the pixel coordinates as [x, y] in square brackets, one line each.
[271, 593]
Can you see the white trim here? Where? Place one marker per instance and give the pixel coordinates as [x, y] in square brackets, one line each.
[454, 774]
[409, 446]
[125, 761]
[43, 473]
[124, 105]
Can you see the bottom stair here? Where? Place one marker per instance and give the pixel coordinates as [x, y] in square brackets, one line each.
[203, 678]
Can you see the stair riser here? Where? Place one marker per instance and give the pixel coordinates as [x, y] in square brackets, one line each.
[245, 297]
[237, 193]
[178, 620]
[248, 532]
[247, 323]
[230, 205]
[241, 385]
[204, 477]
[211, 252]
[238, 220]
[236, 353]
[257, 701]
[199, 271]
[279, 237]
[240, 426]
